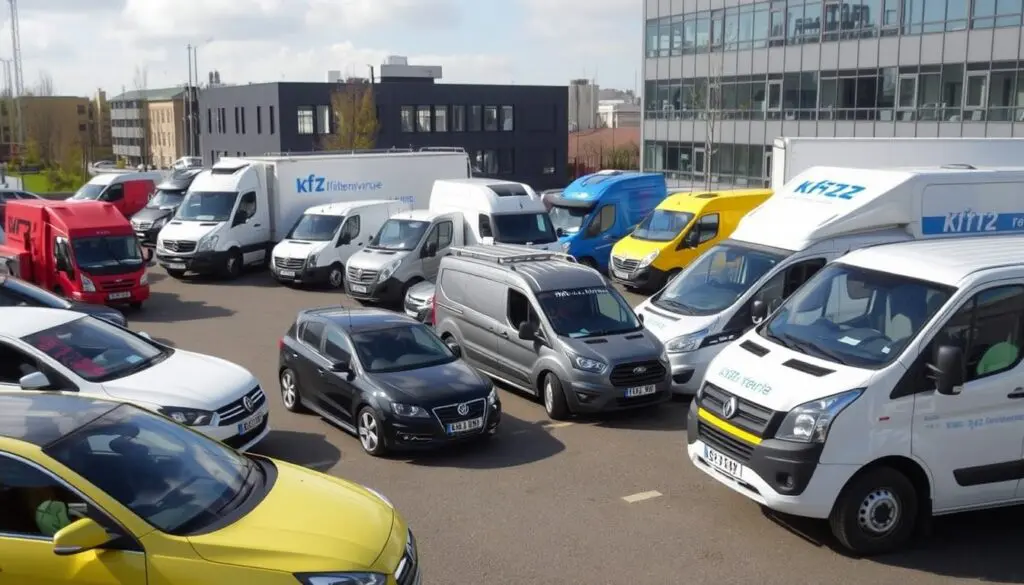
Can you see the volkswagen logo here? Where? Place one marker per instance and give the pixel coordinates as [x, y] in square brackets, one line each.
[730, 406]
[463, 409]
[247, 403]
[640, 370]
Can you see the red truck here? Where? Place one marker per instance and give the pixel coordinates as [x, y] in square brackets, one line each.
[85, 251]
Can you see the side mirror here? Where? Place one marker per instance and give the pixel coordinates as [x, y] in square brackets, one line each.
[145, 335]
[455, 349]
[344, 240]
[342, 366]
[430, 250]
[527, 332]
[949, 370]
[559, 232]
[691, 239]
[371, 238]
[758, 311]
[240, 218]
[81, 535]
[640, 316]
[34, 381]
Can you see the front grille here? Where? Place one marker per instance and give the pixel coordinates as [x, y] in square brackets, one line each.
[450, 412]
[749, 416]
[289, 263]
[360, 276]
[179, 246]
[724, 442]
[638, 374]
[408, 570]
[142, 226]
[624, 264]
[237, 411]
[412, 307]
[239, 441]
[122, 285]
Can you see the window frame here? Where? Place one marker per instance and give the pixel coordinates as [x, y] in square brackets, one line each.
[300, 334]
[427, 126]
[598, 217]
[531, 311]
[701, 227]
[497, 123]
[440, 121]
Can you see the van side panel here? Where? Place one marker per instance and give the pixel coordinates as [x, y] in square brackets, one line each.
[470, 307]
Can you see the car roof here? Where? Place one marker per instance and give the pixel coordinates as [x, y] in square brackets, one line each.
[946, 261]
[365, 319]
[539, 275]
[41, 418]
[22, 321]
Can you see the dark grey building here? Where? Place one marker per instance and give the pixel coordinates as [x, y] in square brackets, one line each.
[514, 132]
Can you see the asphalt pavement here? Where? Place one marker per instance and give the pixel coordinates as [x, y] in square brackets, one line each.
[609, 500]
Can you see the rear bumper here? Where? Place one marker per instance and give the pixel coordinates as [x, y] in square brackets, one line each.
[200, 262]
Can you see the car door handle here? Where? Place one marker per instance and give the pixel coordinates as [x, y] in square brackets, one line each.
[1017, 393]
[504, 334]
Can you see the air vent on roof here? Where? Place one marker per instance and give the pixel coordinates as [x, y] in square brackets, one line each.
[963, 166]
[509, 190]
[227, 168]
[808, 368]
[707, 195]
[755, 348]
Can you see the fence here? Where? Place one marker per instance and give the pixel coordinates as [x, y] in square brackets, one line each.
[595, 158]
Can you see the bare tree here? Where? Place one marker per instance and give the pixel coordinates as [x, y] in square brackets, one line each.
[44, 87]
[141, 84]
[706, 102]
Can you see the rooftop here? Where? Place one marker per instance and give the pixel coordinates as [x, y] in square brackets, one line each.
[948, 260]
[149, 95]
[365, 319]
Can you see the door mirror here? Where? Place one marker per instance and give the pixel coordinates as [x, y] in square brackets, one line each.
[430, 250]
[758, 311]
[527, 332]
[34, 381]
[949, 370]
[640, 316]
[371, 239]
[455, 349]
[692, 238]
[81, 535]
[343, 365]
[344, 240]
[560, 232]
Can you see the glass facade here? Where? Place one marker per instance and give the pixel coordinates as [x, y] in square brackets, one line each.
[722, 84]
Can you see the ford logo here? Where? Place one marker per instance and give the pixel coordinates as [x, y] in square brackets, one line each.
[640, 370]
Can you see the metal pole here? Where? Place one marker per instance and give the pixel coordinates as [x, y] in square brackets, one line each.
[193, 138]
[187, 122]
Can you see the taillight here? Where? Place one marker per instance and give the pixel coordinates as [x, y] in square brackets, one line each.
[433, 310]
[280, 344]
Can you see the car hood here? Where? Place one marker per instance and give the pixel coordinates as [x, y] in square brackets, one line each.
[297, 248]
[189, 231]
[434, 386]
[309, 522]
[368, 259]
[100, 311]
[153, 213]
[616, 349]
[420, 293]
[185, 379]
[631, 248]
[666, 325]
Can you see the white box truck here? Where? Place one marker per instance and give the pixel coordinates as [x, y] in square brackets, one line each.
[792, 156]
[236, 211]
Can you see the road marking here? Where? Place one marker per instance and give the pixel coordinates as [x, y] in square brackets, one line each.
[641, 497]
[558, 425]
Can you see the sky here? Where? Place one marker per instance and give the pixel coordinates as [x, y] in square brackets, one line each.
[85, 45]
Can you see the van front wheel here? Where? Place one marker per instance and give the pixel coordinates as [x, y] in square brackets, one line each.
[875, 513]
[554, 398]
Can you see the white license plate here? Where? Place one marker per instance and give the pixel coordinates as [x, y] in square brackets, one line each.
[620, 274]
[119, 295]
[287, 273]
[358, 288]
[641, 391]
[726, 465]
[247, 425]
[176, 266]
[140, 234]
[465, 425]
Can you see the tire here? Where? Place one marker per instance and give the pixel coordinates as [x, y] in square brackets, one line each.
[290, 393]
[876, 512]
[553, 396]
[233, 264]
[336, 276]
[179, 274]
[370, 432]
[136, 306]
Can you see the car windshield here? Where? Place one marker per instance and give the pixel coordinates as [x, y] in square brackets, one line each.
[523, 228]
[716, 280]
[175, 479]
[103, 253]
[588, 312]
[400, 234]
[32, 292]
[662, 225]
[97, 351]
[207, 206]
[568, 220]
[89, 191]
[854, 316]
[315, 228]
[397, 349]
[166, 199]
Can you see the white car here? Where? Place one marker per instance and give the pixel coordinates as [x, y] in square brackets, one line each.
[47, 349]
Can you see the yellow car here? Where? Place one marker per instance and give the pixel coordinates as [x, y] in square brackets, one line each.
[95, 492]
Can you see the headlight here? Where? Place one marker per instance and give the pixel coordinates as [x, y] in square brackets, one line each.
[341, 578]
[809, 422]
[587, 365]
[144, 279]
[685, 343]
[565, 247]
[389, 269]
[664, 356]
[379, 495]
[207, 243]
[492, 397]
[408, 410]
[87, 284]
[646, 260]
[311, 259]
[191, 417]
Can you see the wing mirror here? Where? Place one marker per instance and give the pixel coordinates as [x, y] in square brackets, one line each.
[758, 311]
[34, 381]
[81, 535]
[430, 250]
[948, 370]
[527, 332]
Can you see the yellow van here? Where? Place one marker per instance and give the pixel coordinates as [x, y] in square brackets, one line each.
[679, 230]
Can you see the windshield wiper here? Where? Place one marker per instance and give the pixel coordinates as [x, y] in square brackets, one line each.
[685, 310]
[827, 353]
[243, 492]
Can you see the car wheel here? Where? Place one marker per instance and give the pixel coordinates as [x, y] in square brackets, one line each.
[233, 264]
[371, 434]
[554, 398]
[875, 513]
[336, 276]
[175, 273]
[290, 391]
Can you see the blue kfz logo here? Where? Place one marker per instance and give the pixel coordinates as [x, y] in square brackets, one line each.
[311, 184]
[829, 189]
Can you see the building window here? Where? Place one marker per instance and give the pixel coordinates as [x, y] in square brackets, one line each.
[237, 125]
[507, 161]
[440, 118]
[491, 119]
[243, 119]
[507, 121]
[475, 112]
[271, 120]
[550, 156]
[489, 162]
[223, 121]
[323, 119]
[259, 119]
[81, 110]
[209, 121]
[305, 121]
[408, 119]
[423, 119]
[458, 118]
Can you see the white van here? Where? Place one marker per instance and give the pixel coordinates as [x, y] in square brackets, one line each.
[502, 212]
[820, 215]
[318, 246]
[887, 389]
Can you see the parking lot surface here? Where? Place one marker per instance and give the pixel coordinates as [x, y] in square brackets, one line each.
[608, 500]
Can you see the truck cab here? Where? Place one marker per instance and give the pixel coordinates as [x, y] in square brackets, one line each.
[596, 211]
[84, 251]
[128, 192]
[162, 206]
[497, 212]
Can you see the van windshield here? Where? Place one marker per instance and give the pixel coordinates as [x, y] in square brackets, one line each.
[107, 254]
[315, 228]
[662, 225]
[166, 199]
[523, 228]
[207, 206]
[588, 312]
[714, 282]
[568, 220]
[400, 234]
[855, 316]
[89, 192]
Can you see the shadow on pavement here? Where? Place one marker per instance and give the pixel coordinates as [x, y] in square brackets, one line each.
[254, 277]
[517, 443]
[165, 307]
[669, 416]
[306, 449]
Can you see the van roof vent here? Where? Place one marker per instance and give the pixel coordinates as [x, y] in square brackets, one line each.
[510, 190]
[963, 166]
[227, 168]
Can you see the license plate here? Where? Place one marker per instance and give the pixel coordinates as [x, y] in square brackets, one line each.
[465, 425]
[248, 425]
[287, 273]
[119, 295]
[140, 234]
[726, 465]
[358, 288]
[641, 391]
[176, 266]
[620, 274]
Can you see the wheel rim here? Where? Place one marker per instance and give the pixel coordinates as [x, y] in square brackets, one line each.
[288, 394]
[879, 512]
[335, 277]
[368, 434]
[549, 395]
[232, 262]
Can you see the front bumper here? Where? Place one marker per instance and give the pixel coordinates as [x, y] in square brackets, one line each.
[305, 275]
[404, 433]
[648, 278]
[689, 368]
[200, 262]
[137, 294]
[233, 436]
[388, 292]
[590, 398]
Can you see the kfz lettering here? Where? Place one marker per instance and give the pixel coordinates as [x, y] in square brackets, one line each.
[829, 189]
[318, 184]
[969, 221]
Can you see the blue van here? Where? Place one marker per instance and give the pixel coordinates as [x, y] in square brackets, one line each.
[597, 210]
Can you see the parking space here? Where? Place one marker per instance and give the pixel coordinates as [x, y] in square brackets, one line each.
[594, 501]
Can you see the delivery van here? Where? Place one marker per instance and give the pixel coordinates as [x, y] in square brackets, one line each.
[681, 228]
[496, 212]
[820, 215]
[128, 192]
[888, 388]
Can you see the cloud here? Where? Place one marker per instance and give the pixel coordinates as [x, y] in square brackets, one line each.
[594, 27]
[360, 14]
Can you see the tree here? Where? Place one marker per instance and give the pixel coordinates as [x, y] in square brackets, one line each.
[44, 87]
[355, 117]
[42, 129]
[706, 102]
[141, 83]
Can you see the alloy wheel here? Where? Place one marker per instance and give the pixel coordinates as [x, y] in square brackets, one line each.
[368, 432]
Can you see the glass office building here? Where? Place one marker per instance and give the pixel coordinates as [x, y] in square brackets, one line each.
[724, 78]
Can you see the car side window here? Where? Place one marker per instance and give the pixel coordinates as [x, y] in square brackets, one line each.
[310, 333]
[707, 227]
[15, 364]
[777, 289]
[603, 221]
[34, 504]
[248, 204]
[351, 227]
[520, 310]
[337, 346]
[444, 235]
[114, 193]
[485, 226]
[989, 330]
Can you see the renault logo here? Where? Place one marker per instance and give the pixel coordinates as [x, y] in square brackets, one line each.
[463, 409]
[247, 403]
[640, 370]
[730, 407]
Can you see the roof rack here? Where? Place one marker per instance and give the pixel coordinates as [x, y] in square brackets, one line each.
[344, 151]
[442, 149]
[509, 255]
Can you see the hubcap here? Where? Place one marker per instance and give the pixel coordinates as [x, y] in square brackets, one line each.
[368, 431]
[288, 388]
[879, 512]
[549, 396]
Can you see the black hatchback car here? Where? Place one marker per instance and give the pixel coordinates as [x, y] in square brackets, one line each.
[386, 378]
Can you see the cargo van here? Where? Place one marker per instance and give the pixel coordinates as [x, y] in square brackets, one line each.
[128, 192]
[820, 215]
[496, 212]
[681, 228]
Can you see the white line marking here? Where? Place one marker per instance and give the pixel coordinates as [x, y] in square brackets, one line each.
[559, 425]
[641, 497]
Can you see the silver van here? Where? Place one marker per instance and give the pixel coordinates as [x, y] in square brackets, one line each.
[542, 323]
